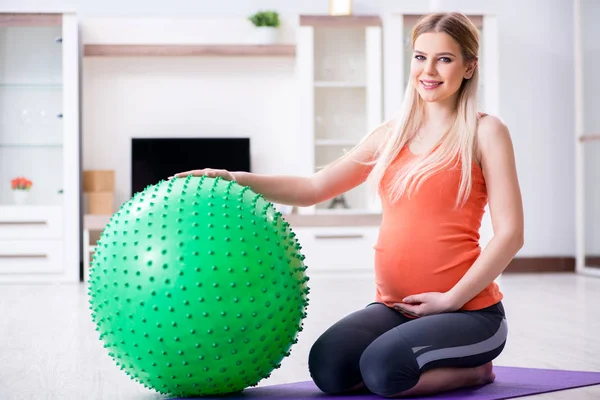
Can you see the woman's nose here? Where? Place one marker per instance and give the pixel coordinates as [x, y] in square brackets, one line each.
[430, 68]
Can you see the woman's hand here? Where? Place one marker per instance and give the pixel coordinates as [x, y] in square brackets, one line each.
[211, 173]
[420, 305]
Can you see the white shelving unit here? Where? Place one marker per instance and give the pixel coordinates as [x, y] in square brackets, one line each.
[39, 139]
[339, 63]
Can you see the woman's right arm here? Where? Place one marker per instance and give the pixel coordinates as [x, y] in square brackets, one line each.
[336, 178]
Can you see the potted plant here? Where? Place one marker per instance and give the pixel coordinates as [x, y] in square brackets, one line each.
[20, 186]
[267, 24]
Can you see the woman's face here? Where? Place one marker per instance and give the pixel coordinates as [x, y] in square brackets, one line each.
[437, 67]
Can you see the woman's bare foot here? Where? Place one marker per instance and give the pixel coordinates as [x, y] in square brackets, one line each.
[444, 379]
[485, 374]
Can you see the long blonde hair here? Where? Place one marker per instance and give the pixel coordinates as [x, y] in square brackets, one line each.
[460, 139]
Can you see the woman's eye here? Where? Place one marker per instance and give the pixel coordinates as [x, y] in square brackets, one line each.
[419, 57]
[445, 59]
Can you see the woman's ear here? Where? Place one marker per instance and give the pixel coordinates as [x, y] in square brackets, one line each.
[470, 70]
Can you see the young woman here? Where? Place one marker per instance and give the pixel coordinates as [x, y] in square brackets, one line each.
[437, 321]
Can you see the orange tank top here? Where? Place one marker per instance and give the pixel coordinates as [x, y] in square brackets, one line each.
[424, 244]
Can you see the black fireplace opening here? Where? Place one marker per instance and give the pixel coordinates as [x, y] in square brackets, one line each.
[154, 159]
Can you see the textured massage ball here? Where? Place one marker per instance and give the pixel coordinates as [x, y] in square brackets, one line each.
[198, 287]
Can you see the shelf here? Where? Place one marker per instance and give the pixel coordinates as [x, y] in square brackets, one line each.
[173, 50]
[589, 138]
[341, 84]
[52, 86]
[345, 211]
[334, 142]
[340, 21]
[15, 211]
[30, 145]
[30, 19]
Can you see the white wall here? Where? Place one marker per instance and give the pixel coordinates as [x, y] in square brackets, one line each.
[536, 101]
[536, 93]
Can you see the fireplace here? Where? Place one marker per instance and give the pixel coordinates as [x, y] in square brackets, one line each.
[153, 159]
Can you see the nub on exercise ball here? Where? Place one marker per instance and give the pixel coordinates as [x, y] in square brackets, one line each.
[198, 287]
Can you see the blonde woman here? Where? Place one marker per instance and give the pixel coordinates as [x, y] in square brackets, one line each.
[437, 321]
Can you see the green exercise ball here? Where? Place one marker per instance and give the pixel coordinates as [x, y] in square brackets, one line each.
[198, 287]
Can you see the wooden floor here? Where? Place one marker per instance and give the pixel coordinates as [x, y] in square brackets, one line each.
[50, 350]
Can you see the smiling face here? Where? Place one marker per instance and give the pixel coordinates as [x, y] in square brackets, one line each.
[438, 67]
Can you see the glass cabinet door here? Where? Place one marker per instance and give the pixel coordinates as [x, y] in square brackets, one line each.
[587, 62]
[31, 110]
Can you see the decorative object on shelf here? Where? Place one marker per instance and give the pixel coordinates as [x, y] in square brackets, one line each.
[267, 25]
[20, 186]
[99, 188]
[340, 7]
[339, 202]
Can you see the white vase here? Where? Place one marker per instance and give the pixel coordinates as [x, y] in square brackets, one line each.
[19, 196]
[266, 34]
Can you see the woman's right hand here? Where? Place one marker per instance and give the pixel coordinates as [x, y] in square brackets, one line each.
[211, 173]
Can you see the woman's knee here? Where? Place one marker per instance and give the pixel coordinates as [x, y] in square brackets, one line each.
[334, 358]
[386, 370]
[333, 361]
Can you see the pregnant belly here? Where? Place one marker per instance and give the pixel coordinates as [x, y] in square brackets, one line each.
[401, 271]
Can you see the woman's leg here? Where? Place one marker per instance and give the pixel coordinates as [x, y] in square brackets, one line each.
[435, 353]
[334, 358]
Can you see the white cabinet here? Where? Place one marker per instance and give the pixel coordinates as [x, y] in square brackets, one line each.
[339, 64]
[39, 141]
[31, 222]
[31, 258]
[338, 249]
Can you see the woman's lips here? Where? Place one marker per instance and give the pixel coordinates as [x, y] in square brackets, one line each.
[428, 85]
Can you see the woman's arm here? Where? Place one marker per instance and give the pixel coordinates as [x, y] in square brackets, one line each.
[283, 189]
[506, 209]
[336, 178]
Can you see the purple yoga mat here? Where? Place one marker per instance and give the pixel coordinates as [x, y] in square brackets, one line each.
[510, 382]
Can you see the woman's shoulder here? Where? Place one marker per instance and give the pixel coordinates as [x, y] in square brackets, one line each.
[489, 125]
[491, 133]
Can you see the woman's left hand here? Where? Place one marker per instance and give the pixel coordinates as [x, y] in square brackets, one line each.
[420, 305]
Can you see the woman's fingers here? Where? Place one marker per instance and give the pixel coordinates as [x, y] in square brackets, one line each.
[184, 174]
[211, 173]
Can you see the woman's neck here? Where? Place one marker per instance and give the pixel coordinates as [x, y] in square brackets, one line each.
[436, 114]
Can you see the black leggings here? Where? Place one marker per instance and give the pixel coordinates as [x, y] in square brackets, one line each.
[387, 351]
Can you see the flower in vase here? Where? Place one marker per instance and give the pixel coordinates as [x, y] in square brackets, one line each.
[21, 183]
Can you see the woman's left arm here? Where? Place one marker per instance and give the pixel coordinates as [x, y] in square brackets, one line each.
[506, 210]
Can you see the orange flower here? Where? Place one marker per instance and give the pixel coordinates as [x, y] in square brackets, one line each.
[21, 183]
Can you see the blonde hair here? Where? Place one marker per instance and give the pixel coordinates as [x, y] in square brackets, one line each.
[460, 138]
